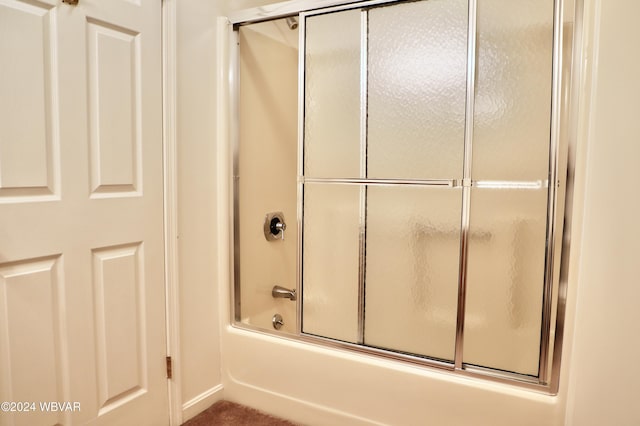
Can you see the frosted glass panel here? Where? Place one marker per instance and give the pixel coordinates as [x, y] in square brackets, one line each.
[513, 90]
[413, 246]
[505, 278]
[331, 261]
[332, 95]
[417, 73]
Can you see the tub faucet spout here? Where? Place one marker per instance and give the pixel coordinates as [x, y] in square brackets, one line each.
[283, 293]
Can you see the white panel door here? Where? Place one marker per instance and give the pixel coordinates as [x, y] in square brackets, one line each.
[81, 213]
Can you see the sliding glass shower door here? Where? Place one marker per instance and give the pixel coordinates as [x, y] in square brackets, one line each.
[399, 179]
[424, 178]
[384, 135]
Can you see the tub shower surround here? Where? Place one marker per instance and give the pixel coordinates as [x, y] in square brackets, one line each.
[400, 180]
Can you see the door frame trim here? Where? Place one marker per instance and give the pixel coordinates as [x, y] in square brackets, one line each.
[170, 190]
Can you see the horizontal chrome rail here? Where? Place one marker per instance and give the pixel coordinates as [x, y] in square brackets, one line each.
[500, 184]
[489, 184]
[294, 7]
[347, 181]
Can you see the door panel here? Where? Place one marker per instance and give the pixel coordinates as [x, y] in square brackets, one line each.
[120, 332]
[114, 88]
[28, 153]
[81, 222]
[31, 308]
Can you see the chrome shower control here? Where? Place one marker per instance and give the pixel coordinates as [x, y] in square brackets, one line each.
[277, 321]
[277, 226]
[274, 226]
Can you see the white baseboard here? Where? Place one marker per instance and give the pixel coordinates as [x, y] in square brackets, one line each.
[201, 402]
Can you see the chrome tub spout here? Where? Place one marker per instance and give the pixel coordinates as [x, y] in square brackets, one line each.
[279, 292]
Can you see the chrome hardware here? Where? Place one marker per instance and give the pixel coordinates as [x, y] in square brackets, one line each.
[292, 22]
[277, 321]
[71, 2]
[279, 292]
[274, 226]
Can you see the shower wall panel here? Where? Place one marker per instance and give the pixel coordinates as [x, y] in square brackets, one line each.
[267, 169]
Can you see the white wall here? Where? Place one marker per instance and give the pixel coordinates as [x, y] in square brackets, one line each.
[199, 370]
[604, 381]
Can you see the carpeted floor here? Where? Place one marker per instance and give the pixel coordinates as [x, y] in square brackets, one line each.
[226, 413]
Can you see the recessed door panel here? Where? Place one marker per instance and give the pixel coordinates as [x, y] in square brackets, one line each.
[33, 338]
[29, 139]
[114, 89]
[119, 288]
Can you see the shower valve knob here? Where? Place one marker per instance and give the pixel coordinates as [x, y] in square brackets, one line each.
[277, 227]
[274, 226]
[277, 321]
